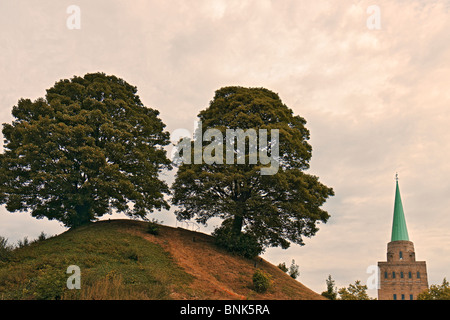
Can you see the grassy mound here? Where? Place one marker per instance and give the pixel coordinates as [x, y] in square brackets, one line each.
[125, 259]
[114, 265]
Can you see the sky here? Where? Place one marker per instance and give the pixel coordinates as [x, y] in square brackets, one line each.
[370, 77]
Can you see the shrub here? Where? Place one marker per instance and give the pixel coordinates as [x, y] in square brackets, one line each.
[261, 281]
[283, 267]
[5, 249]
[23, 243]
[42, 236]
[243, 244]
[293, 270]
[153, 227]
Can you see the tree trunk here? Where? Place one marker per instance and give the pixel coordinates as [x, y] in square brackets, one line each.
[237, 225]
[83, 215]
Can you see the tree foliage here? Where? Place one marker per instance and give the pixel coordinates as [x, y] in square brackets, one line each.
[355, 291]
[89, 147]
[331, 292]
[294, 271]
[275, 209]
[436, 292]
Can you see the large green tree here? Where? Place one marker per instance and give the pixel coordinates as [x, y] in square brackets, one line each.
[274, 208]
[88, 148]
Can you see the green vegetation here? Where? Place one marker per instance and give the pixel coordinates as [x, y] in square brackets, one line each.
[331, 292]
[113, 264]
[355, 291]
[88, 147]
[5, 249]
[292, 271]
[261, 281]
[242, 244]
[282, 267]
[274, 209]
[153, 227]
[436, 292]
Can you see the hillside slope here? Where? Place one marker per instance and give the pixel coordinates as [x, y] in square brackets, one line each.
[118, 259]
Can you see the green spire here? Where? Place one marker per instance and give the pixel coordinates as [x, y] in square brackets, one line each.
[399, 231]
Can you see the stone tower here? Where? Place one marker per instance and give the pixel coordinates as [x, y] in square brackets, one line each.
[401, 276]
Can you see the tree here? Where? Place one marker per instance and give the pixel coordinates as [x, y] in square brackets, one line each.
[436, 292]
[89, 147]
[355, 291]
[273, 207]
[293, 270]
[331, 292]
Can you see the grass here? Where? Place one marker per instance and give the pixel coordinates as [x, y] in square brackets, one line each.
[114, 265]
[126, 259]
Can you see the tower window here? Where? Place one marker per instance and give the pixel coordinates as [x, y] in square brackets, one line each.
[401, 274]
[395, 296]
[403, 297]
[385, 274]
[410, 297]
[393, 274]
[418, 275]
[400, 255]
[409, 275]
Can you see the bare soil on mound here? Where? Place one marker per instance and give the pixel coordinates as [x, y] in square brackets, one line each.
[218, 274]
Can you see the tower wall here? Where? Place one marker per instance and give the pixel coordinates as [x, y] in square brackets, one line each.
[401, 276]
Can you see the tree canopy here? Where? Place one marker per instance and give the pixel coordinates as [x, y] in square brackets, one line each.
[275, 209]
[355, 291]
[436, 292]
[87, 148]
[331, 292]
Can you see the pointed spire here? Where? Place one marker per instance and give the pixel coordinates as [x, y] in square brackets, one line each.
[399, 230]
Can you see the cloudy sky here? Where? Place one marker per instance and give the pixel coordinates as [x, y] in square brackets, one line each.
[373, 88]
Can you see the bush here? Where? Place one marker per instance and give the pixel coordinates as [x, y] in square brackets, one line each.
[23, 243]
[292, 270]
[244, 244]
[153, 227]
[283, 267]
[261, 281]
[42, 236]
[5, 249]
